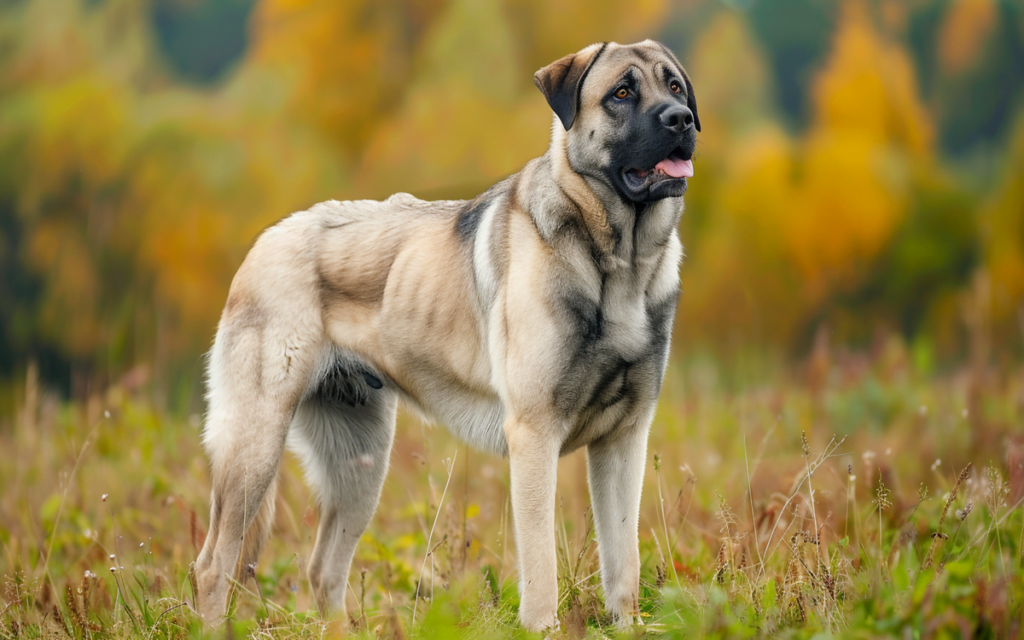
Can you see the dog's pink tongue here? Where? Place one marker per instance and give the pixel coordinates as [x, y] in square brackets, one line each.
[676, 168]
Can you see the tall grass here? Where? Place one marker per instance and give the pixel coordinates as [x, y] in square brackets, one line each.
[852, 513]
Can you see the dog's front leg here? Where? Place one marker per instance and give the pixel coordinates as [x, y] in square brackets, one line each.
[533, 460]
[615, 469]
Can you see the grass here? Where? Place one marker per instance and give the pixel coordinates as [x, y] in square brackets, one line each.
[857, 499]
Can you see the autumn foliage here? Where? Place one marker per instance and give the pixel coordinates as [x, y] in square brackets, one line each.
[129, 195]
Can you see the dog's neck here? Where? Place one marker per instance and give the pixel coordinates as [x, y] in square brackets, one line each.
[576, 189]
[618, 226]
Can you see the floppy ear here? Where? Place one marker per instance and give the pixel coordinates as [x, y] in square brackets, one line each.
[561, 80]
[691, 100]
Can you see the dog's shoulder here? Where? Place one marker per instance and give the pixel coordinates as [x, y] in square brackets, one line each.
[471, 212]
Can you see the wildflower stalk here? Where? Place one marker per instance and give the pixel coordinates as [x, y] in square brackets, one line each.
[938, 537]
[883, 503]
[664, 523]
[810, 491]
[416, 599]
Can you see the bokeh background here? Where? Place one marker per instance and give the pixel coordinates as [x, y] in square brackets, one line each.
[859, 179]
[854, 266]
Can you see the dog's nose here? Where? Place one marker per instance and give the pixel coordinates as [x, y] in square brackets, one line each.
[676, 117]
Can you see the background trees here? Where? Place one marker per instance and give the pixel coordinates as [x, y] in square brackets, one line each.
[860, 170]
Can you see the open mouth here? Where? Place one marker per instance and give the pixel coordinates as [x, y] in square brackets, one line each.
[674, 167]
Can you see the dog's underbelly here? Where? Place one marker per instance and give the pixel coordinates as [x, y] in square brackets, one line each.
[473, 417]
[617, 393]
[477, 416]
[478, 419]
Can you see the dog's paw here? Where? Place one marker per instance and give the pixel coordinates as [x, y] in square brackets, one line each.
[627, 621]
[539, 623]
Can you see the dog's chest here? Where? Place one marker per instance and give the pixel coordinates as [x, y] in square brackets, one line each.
[626, 328]
[614, 350]
[616, 325]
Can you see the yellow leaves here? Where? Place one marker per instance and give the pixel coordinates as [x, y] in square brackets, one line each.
[868, 88]
[349, 61]
[471, 48]
[479, 153]
[139, 191]
[67, 313]
[76, 130]
[965, 28]
[730, 78]
[868, 125]
[821, 207]
[801, 219]
[845, 213]
[1005, 239]
[758, 190]
[413, 90]
[184, 256]
[464, 120]
[560, 27]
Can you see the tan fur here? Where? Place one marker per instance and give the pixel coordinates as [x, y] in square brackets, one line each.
[531, 321]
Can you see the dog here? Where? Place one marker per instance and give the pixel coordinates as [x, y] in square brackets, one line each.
[532, 320]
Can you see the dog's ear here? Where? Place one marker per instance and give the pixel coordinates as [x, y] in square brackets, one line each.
[691, 100]
[561, 80]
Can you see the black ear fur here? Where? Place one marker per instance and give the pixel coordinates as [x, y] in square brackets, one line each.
[560, 82]
[691, 100]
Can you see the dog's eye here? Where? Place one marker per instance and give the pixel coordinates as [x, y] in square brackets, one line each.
[675, 87]
[622, 93]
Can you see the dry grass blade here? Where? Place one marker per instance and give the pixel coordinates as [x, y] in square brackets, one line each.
[827, 453]
[938, 538]
[449, 467]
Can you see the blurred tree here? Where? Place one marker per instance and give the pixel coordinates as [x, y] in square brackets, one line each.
[1002, 232]
[799, 224]
[64, 131]
[465, 120]
[202, 38]
[796, 35]
[145, 143]
[913, 285]
[350, 61]
[970, 55]
[965, 28]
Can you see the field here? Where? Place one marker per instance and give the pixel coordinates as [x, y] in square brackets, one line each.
[851, 496]
[839, 446]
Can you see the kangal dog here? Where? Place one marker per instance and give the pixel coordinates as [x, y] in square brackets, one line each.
[532, 320]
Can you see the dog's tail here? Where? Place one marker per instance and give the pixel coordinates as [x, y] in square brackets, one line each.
[259, 532]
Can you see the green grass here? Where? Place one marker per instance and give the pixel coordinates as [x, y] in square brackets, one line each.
[915, 528]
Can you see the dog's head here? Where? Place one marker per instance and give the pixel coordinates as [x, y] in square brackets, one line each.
[629, 114]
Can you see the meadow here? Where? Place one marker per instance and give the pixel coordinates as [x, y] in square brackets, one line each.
[839, 445]
[851, 495]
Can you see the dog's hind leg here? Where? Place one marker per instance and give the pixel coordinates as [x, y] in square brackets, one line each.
[345, 451]
[257, 375]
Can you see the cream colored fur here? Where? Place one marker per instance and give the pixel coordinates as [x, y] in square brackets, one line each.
[469, 316]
